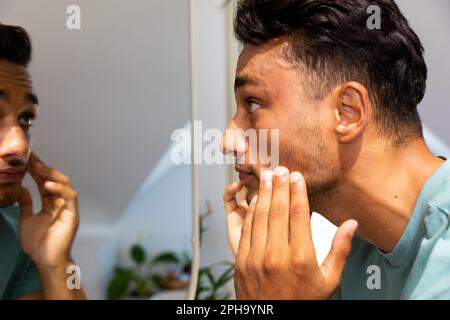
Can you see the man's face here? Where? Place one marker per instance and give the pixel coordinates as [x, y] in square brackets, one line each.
[17, 112]
[270, 94]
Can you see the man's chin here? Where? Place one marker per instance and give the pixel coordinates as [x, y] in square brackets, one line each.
[9, 194]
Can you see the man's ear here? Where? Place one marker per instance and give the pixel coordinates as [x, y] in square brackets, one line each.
[352, 111]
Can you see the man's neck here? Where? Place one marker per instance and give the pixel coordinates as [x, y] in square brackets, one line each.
[380, 192]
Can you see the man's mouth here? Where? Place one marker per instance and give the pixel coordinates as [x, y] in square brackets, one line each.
[245, 172]
[9, 175]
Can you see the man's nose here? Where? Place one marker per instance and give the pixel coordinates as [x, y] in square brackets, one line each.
[14, 142]
[233, 141]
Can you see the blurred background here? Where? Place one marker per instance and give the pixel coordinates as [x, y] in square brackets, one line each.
[111, 95]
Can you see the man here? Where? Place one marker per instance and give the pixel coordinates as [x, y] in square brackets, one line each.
[34, 248]
[344, 97]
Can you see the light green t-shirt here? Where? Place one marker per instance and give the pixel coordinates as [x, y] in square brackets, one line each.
[419, 265]
[18, 275]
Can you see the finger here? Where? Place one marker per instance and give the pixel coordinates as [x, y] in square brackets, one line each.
[54, 205]
[278, 230]
[40, 184]
[37, 178]
[65, 192]
[42, 173]
[261, 215]
[246, 233]
[229, 196]
[25, 203]
[235, 215]
[334, 263]
[243, 197]
[33, 159]
[300, 235]
[32, 162]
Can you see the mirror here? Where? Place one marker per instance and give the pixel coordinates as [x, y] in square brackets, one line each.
[113, 81]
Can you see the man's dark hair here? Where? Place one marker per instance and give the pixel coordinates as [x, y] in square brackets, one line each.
[332, 40]
[15, 45]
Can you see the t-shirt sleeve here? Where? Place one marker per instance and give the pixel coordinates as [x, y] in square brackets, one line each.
[433, 264]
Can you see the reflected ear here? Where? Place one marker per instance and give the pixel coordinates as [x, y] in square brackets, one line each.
[352, 111]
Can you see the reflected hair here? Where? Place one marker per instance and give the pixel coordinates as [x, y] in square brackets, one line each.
[15, 45]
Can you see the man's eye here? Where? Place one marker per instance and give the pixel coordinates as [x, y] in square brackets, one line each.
[253, 106]
[27, 119]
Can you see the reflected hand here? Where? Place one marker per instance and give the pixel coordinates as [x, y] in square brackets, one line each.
[47, 236]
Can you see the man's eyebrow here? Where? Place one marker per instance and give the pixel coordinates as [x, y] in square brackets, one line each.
[245, 81]
[32, 98]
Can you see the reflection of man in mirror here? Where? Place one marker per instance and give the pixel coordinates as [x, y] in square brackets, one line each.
[34, 247]
[344, 98]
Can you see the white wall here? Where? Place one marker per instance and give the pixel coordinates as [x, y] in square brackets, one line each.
[161, 217]
[430, 20]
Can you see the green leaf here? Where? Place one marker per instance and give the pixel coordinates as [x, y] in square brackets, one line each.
[203, 271]
[167, 257]
[210, 277]
[225, 277]
[119, 284]
[121, 269]
[225, 297]
[156, 279]
[138, 254]
[202, 289]
[212, 296]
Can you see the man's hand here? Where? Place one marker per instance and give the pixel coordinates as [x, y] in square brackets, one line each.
[272, 242]
[47, 236]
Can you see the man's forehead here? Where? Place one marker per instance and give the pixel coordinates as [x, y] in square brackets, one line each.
[263, 57]
[13, 74]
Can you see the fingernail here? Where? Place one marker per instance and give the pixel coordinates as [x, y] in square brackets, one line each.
[353, 227]
[49, 184]
[282, 173]
[254, 199]
[294, 177]
[267, 177]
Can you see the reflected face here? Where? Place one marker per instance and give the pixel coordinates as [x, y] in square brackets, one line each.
[270, 95]
[17, 113]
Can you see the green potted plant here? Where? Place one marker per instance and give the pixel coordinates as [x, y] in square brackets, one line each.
[132, 280]
[138, 281]
[210, 287]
